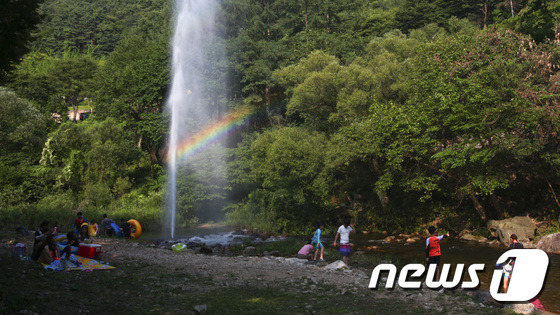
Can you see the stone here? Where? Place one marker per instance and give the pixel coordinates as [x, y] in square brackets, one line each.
[523, 227]
[337, 265]
[484, 297]
[468, 236]
[200, 309]
[523, 308]
[249, 250]
[550, 243]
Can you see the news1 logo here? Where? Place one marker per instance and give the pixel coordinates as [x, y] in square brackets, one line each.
[526, 279]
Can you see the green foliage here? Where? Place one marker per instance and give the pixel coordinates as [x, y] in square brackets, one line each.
[201, 188]
[391, 112]
[82, 25]
[22, 129]
[54, 84]
[17, 21]
[131, 86]
[90, 153]
[284, 164]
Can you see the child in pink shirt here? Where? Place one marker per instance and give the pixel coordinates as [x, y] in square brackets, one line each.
[306, 252]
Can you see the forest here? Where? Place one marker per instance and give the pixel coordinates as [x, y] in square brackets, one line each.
[394, 113]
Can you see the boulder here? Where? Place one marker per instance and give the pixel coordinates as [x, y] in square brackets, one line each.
[524, 308]
[484, 297]
[249, 251]
[339, 264]
[200, 309]
[550, 243]
[523, 227]
[468, 236]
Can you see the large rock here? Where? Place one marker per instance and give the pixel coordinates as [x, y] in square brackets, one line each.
[525, 308]
[468, 236]
[523, 227]
[339, 264]
[550, 243]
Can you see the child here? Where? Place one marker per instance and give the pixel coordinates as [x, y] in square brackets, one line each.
[305, 251]
[508, 266]
[316, 241]
[78, 223]
[344, 233]
[84, 234]
[56, 230]
[433, 250]
[93, 228]
[71, 240]
[125, 227]
[106, 225]
[45, 248]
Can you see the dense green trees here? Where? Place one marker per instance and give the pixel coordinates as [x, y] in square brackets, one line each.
[17, 21]
[392, 112]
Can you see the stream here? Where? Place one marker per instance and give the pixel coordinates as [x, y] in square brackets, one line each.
[454, 251]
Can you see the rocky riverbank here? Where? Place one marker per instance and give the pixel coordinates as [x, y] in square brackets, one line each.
[151, 279]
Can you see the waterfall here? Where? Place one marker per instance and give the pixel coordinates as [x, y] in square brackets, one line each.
[193, 83]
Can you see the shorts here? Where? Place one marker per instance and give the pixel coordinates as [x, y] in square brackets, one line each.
[344, 250]
[301, 256]
[507, 274]
[317, 245]
[434, 260]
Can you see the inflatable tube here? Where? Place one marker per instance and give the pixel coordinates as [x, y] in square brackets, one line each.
[116, 230]
[92, 229]
[179, 247]
[136, 229]
[74, 250]
[59, 238]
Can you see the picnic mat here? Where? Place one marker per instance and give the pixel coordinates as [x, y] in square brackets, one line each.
[84, 264]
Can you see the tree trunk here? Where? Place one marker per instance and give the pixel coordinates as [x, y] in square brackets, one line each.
[478, 206]
[485, 12]
[306, 1]
[382, 195]
[497, 206]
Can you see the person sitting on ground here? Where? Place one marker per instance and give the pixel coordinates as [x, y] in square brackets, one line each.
[306, 252]
[55, 229]
[125, 227]
[45, 248]
[106, 225]
[71, 241]
[316, 241]
[84, 235]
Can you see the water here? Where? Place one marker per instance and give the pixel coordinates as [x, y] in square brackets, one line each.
[456, 251]
[193, 46]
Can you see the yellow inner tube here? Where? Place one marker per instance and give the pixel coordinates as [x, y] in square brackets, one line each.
[91, 229]
[136, 230]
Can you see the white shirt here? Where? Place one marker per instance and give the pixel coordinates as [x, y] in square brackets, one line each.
[344, 234]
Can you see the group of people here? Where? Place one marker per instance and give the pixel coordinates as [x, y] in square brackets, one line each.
[48, 240]
[315, 244]
[433, 248]
[45, 245]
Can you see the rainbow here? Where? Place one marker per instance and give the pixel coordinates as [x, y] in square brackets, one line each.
[212, 133]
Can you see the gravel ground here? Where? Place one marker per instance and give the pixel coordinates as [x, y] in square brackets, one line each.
[149, 279]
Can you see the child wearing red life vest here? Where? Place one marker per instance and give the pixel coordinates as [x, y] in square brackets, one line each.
[77, 226]
[433, 249]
